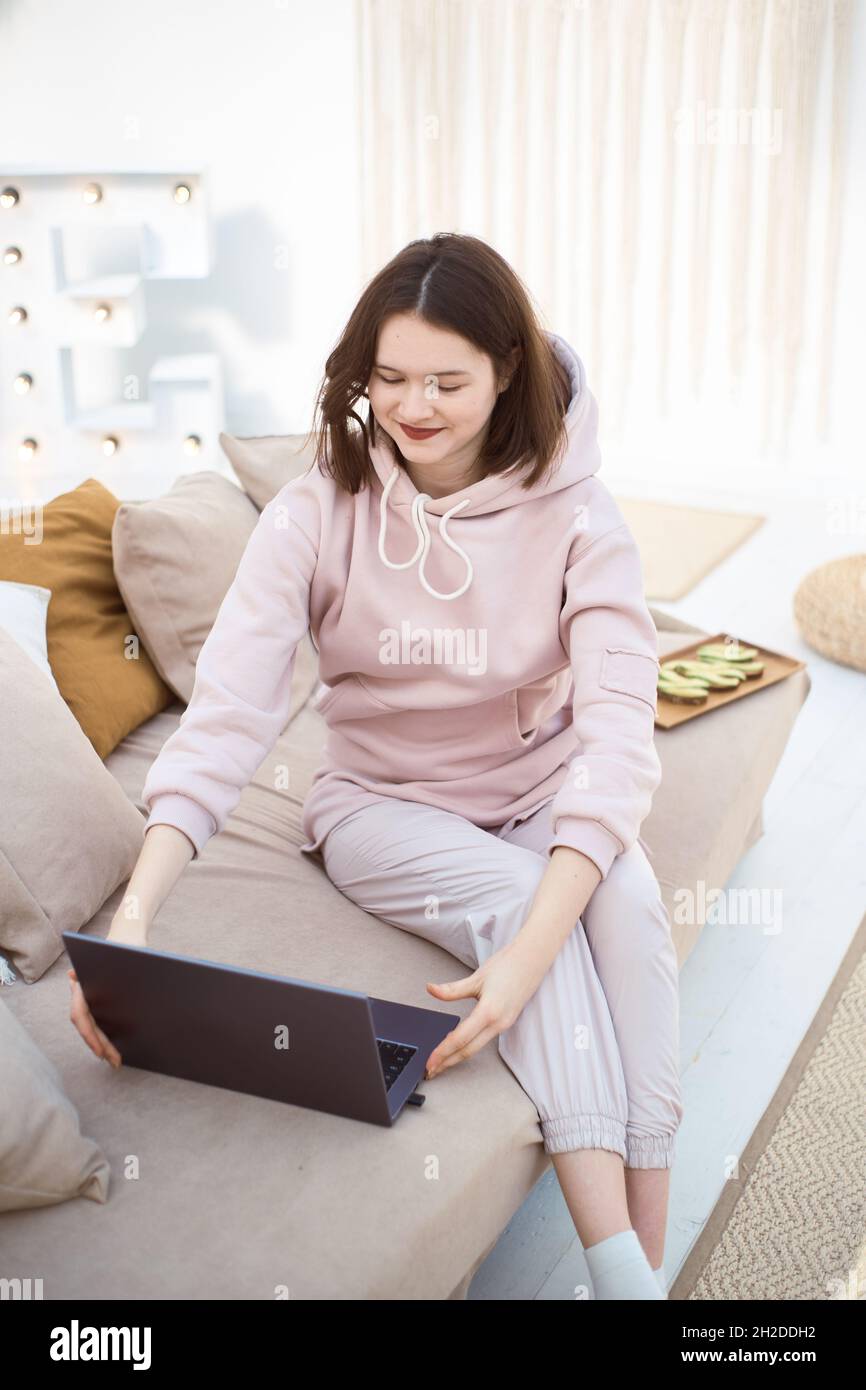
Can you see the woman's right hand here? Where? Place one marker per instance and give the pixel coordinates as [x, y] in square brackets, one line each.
[131, 933]
[87, 1026]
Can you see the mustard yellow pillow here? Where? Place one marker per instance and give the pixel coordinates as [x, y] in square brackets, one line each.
[101, 667]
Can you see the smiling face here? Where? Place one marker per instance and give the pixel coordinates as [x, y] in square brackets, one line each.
[433, 392]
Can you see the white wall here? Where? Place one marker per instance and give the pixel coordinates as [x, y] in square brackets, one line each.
[260, 92]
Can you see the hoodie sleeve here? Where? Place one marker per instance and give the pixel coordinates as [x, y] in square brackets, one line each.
[242, 693]
[608, 631]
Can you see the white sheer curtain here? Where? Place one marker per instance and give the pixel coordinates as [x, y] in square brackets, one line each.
[667, 177]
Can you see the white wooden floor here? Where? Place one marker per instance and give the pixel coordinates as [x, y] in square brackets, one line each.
[747, 995]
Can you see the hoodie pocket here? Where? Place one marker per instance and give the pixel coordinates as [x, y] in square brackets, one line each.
[513, 738]
[531, 705]
[501, 724]
[325, 697]
[329, 695]
[631, 673]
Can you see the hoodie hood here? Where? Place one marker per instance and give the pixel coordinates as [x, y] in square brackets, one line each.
[580, 459]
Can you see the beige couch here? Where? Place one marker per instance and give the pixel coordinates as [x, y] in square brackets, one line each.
[237, 1196]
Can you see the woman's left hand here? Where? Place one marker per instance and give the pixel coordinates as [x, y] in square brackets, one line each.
[502, 985]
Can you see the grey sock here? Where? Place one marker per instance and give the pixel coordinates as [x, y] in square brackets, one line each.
[620, 1269]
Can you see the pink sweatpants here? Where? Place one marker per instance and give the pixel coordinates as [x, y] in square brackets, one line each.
[597, 1046]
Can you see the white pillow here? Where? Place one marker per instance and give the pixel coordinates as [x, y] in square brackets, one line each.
[24, 615]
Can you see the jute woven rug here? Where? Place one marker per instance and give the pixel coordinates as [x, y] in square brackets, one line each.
[679, 545]
[793, 1224]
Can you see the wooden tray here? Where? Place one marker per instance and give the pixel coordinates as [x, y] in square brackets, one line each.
[776, 668]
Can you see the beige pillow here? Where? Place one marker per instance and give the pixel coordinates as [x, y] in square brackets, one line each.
[69, 835]
[266, 463]
[175, 557]
[44, 1157]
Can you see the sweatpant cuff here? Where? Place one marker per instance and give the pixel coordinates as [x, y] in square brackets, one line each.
[584, 1132]
[650, 1150]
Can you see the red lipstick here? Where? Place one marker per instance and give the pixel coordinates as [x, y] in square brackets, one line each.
[419, 434]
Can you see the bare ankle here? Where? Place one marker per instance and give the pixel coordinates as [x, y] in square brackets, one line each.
[593, 1185]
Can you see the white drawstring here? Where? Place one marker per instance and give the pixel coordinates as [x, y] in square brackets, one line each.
[419, 521]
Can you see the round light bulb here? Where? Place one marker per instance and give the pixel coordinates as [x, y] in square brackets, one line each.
[110, 445]
[26, 449]
[182, 193]
[92, 193]
[21, 385]
[12, 255]
[17, 315]
[102, 313]
[8, 198]
[192, 444]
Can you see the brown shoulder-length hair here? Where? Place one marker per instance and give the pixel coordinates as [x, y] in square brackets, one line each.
[459, 283]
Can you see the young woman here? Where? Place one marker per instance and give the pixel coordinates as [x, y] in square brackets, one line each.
[490, 701]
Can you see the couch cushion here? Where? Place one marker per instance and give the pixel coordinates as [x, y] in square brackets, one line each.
[267, 462]
[44, 1158]
[175, 557]
[24, 615]
[277, 1194]
[68, 834]
[104, 674]
[695, 839]
[333, 1208]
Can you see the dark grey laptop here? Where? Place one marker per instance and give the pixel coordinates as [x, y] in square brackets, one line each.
[290, 1040]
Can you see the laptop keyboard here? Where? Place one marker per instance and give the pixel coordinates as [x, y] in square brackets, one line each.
[393, 1056]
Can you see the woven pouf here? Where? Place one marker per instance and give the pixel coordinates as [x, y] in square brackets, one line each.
[830, 610]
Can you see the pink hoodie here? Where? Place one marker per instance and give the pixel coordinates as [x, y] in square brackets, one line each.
[509, 662]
